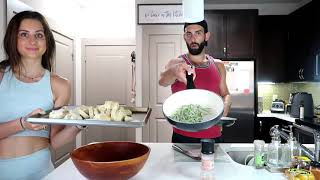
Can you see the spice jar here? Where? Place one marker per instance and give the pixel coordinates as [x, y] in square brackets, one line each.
[207, 156]
[207, 159]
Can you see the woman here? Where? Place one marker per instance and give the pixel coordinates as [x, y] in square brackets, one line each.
[28, 87]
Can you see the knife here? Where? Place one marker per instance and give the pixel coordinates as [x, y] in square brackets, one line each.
[185, 152]
[46, 113]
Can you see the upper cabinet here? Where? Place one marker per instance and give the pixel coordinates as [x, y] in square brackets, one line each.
[304, 43]
[271, 53]
[232, 33]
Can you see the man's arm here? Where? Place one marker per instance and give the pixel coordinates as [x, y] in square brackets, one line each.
[224, 91]
[174, 70]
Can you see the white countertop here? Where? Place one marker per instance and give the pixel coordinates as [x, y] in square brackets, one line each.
[282, 116]
[164, 163]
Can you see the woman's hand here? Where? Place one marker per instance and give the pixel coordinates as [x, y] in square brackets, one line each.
[31, 126]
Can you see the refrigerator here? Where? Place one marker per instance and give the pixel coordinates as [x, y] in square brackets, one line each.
[240, 80]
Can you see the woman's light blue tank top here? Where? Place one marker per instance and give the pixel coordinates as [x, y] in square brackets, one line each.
[18, 99]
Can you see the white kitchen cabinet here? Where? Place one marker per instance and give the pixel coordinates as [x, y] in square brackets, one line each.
[107, 76]
[64, 66]
[165, 43]
[64, 62]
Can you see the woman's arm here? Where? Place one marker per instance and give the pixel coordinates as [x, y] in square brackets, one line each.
[10, 128]
[15, 126]
[60, 134]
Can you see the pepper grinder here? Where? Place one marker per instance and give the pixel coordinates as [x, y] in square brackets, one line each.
[207, 155]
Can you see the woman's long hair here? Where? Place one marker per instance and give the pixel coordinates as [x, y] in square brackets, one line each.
[11, 38]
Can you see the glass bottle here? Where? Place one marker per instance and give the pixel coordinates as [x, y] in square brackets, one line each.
[258, 153]
[274, 152]
[289, 150]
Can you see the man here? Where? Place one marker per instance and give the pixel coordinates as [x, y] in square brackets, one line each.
[209, 74]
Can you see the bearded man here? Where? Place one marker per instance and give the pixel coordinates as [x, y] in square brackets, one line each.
[209, 74]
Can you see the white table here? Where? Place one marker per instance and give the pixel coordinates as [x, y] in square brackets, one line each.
[164, 163]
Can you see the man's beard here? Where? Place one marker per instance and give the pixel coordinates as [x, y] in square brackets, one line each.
[198, 50]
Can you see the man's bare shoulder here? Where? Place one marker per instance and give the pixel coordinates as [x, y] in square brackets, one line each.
[218, 62]
[59, 81]
[212, 59]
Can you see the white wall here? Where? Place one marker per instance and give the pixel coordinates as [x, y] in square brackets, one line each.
[91, 18]
[108, 19]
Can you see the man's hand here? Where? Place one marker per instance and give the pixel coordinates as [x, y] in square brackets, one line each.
[176, 69]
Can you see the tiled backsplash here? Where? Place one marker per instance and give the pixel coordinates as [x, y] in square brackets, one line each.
[282, 90]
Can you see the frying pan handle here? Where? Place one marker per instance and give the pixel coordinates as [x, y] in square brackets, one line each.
[190, 83]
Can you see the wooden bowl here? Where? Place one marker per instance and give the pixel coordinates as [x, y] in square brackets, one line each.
[110, 160]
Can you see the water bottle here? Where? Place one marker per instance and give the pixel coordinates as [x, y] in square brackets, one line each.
[258, 154]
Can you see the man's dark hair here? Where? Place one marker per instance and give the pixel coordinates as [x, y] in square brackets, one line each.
[202, 23]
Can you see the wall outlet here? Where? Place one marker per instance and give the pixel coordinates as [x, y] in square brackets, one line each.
[274, 97]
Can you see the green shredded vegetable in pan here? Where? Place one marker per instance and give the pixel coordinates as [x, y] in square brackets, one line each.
[191, 113]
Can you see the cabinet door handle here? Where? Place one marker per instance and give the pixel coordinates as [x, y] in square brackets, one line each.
[260, 126]
[302, 73]
[317, 65]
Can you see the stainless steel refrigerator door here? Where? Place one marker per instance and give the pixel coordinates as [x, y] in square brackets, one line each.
[240, 81]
